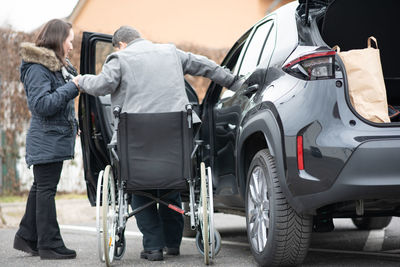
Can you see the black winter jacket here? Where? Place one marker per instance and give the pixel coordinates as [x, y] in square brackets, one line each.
[53, 127]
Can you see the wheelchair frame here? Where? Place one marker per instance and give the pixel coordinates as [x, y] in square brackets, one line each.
[111, 221]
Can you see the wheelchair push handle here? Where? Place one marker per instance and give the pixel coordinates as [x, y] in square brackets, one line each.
[117, 111]
[189, 111]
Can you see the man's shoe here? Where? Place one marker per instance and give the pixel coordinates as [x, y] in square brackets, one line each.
[25, 245]
[152, 255]
[173, 251]
[57, 253]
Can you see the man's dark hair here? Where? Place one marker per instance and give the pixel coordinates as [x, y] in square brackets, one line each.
[124, 34]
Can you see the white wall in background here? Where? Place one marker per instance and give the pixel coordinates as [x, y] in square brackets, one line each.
[72, 176]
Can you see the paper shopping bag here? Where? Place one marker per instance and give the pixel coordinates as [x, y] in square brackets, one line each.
[366, 84]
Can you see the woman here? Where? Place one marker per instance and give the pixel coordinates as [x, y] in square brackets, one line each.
[50, 138]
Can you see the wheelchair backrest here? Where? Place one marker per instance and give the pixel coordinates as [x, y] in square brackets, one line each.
[154, 150]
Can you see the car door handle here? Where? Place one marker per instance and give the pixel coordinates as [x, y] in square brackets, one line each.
[251, 90]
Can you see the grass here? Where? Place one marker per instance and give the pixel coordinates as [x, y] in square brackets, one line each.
[12, 198]
[24, 196]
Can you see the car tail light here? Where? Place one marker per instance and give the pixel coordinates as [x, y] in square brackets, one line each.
[316, 66]
[300, 158]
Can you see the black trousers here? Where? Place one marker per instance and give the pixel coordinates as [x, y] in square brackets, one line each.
[39, 223]
[160, 227]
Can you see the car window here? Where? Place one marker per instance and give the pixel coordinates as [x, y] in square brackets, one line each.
[269, 46]
[251, 57]
[232, 64]
[103, 49]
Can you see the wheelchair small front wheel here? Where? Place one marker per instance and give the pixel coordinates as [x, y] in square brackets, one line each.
[109, 215]
[200, 245]
[120, 245]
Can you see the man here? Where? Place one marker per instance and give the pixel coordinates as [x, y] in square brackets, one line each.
[143, 77]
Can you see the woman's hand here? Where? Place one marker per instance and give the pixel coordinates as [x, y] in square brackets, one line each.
[76, 81]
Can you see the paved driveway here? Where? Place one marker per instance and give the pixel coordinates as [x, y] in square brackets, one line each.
[346, 246]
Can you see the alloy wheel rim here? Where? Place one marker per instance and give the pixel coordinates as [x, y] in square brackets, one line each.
[258, 209]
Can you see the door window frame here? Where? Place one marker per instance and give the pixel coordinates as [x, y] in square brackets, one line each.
[251, 36]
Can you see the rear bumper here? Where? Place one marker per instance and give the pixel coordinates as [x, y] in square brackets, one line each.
[371, 172]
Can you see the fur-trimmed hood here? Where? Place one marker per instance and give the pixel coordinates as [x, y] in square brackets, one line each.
[31, 53]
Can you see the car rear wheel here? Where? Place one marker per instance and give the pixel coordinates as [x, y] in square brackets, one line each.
[276, 233]
[371, 223]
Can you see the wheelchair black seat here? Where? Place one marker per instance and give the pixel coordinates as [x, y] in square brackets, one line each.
[154, 150]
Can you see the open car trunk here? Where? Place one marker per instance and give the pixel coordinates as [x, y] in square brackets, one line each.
[349, 24]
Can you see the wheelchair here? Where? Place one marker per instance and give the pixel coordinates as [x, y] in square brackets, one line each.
[154, 151]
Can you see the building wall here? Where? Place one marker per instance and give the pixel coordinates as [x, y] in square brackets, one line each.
[211, 23]
[72, 175]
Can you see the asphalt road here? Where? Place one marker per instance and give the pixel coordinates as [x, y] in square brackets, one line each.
[345, 246]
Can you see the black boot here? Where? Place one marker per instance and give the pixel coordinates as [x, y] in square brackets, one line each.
[172, 251]
[57, 253]
[25, 245]
[152, 255]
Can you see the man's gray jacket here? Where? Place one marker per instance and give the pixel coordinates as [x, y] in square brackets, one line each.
[148, 78]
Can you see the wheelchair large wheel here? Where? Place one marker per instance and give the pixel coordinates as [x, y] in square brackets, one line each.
[209, 241]
[109, 215]
[215, 237]
[203, 217]
[99, 222]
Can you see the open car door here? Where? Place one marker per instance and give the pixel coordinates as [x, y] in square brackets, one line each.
[95, 114]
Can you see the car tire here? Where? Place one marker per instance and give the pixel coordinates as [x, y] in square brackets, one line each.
[277, 234]
[371, 223]
[187, 229]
